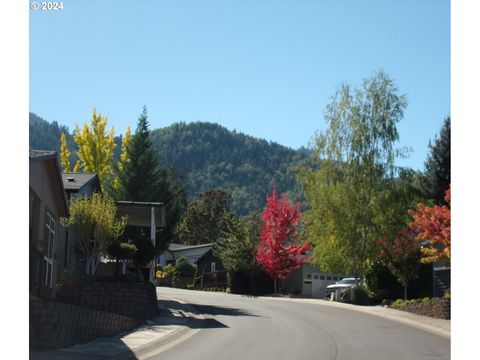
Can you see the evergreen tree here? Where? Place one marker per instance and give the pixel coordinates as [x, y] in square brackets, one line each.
[437, 167]
[139, 178]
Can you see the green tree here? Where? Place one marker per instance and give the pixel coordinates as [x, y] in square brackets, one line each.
[139, 178]
[95, 147]
[356, 157]
[124, 158]
[95, 225]
[205, 218]
[237, 243]
[436, 179]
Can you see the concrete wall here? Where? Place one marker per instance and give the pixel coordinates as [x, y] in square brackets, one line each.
[55, 325]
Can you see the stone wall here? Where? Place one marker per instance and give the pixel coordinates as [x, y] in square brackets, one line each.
[55, 325]
[437, 308]
[134, 299]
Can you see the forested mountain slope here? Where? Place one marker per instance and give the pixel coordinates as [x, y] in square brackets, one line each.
[207, 156]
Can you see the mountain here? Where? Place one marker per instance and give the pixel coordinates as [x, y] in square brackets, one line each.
[44, 135]
[211, 156]
[208, 156]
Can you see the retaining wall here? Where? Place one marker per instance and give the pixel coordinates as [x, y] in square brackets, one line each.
[134, 299]
[55, 325]
[437, 308]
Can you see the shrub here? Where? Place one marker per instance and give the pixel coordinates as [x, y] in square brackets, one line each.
[184, 268]
[447, 295]
[190, 286]
[359, 295]
[166, 276]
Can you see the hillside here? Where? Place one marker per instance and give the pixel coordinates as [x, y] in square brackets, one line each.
[209, 156]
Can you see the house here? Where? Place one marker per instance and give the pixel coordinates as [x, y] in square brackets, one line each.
[211, 272]
[176, 250]
[76, 184]
[309, 281]
[143, 217]
[47, 205]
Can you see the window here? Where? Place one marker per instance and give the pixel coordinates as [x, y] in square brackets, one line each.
[329, 277]
[212, 267]
[315, 277]
[322, 277]
[49, 250]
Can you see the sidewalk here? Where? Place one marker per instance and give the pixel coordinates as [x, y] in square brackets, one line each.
[176, 322]
[436, 326]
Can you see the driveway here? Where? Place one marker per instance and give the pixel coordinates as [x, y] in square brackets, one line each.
[240, 327]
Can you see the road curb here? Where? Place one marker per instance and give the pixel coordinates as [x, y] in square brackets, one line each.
[165, 342]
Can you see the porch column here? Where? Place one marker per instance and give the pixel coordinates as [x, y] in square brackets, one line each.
[153, 237]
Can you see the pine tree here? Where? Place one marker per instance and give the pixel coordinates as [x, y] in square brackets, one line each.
[437, 167]
[139, 178]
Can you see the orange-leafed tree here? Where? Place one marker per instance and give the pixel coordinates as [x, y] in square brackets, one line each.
[432, 225]
[278, 252]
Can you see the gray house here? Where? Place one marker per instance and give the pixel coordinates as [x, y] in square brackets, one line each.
[47, 205]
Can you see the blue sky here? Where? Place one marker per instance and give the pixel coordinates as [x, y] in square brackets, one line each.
[265, 68]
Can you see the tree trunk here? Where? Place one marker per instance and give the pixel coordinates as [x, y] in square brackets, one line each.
[274, 286]
[405, 291]
[87, 266]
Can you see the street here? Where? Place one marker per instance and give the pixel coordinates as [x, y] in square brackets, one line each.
[240, 327]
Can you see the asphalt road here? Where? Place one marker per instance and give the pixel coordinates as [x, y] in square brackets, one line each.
[250, 328]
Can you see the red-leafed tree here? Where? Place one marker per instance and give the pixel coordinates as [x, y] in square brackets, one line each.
[402, 256]
[432, 225]
[278, 251]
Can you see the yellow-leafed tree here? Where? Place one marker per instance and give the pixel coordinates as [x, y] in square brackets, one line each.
[95, 147]
[64, 154]
[124, 157]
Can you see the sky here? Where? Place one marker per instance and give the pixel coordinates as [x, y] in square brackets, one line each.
[264, 68]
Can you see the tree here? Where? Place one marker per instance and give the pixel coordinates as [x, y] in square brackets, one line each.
[95, 147]
[355, 170]
[64, 154]
[432, 225]
[205, 218]
[278, 252]
[237, 243]
[124, 158]
[436, 179]
[137, 177]
[140, 178]
[95, 226]
[402, 256]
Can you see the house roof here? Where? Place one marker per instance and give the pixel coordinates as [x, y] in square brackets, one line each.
[39, 154]
[75, 181]
[44, 155]
[177, 246]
